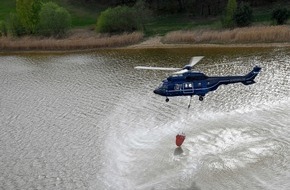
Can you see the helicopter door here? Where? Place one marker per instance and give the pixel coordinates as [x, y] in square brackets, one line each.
[188, 87]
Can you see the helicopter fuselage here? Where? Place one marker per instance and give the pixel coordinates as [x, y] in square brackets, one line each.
[196, 83]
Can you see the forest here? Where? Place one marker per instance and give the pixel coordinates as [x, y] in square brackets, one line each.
[154, 16]
[110, 23]
[196, 7]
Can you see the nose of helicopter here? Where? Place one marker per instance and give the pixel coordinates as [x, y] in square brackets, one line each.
[159, 91]
[156, 91]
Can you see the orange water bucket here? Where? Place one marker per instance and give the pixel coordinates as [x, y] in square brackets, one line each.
[179, 139]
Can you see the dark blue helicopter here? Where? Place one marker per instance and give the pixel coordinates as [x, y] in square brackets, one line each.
[188, 83]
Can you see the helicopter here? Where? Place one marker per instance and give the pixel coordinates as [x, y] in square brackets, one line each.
[187, 82]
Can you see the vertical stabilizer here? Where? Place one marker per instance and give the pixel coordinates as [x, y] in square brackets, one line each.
[249, 78]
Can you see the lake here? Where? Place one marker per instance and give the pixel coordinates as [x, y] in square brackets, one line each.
[90, 121]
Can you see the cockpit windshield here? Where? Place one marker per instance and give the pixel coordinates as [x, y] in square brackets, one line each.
[163, 85]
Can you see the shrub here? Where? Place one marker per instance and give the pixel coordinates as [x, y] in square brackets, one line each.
[28, 14]
[243, 15]
[14, 26]
[143, 14]
[258, 34]
[3, 28]
[280, 15]
[53, 20]
[118, 19]
[228, 19]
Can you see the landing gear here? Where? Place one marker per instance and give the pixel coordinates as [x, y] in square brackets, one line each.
[200, 98]
[167, 99]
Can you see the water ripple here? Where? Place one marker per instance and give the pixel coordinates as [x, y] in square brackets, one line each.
[90, 121]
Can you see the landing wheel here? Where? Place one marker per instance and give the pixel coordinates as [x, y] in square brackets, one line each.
[200, 98]
[167, 99]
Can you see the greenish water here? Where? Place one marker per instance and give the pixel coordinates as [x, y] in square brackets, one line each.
[90, 121]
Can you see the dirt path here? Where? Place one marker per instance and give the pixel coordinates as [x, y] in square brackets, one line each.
[156, 42]
[150, 42]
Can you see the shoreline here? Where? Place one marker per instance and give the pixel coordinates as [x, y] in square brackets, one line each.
[149, 43]
[85, 40]
[155, 42]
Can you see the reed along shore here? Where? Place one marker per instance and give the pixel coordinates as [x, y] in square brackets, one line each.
[84, 40]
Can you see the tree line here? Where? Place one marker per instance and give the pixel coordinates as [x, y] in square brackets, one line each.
[196, 7]
[34, 17]
[235, 13]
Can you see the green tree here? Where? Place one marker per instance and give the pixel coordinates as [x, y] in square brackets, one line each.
[28, 13]
[3, 28]
[280, 15]
[118, 19]
[143, 14]
[244, 15]
[53, 20]
[14, 26]
[228, 20]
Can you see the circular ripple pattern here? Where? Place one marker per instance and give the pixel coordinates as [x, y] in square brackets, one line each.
[90, 121]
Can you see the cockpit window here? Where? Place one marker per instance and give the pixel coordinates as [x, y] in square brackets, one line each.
[163, 85]
[177, 86]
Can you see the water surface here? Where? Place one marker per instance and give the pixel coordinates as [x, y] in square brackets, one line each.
[90, 121]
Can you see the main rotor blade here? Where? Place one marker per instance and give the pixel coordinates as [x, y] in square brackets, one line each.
[158, 68]
[180, 72]
[193, 61]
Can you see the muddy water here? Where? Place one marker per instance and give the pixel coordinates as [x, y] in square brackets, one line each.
[90, 121]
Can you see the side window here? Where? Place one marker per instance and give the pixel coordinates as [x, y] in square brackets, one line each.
[188, 85]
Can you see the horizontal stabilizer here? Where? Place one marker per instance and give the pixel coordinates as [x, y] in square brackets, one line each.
[248, 82]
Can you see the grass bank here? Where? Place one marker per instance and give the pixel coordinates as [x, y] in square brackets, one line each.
[78, 40]
[257, 34]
